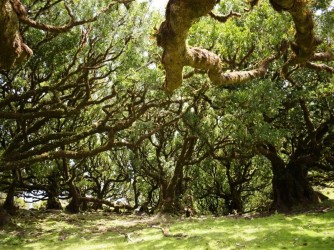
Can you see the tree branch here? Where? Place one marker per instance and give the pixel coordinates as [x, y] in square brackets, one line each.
[320, 67]
[305, 40]
[172, 35]
[224, 18]
[23, 17]
[12, 48]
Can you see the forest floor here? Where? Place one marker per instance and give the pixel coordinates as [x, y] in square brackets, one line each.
[313, 229]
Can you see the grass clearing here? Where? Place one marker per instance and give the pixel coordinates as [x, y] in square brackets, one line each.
[99, 230]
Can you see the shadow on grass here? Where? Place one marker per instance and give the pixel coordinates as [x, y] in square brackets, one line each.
[274, 232]
[106, 231]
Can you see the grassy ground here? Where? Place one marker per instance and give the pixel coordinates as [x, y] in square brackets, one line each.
[58, 230]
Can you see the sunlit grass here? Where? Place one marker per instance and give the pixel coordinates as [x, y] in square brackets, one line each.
[329, 192]
[108, 231]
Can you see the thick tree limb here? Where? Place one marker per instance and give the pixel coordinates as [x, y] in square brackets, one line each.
[305, 40]
[12, 48]
[307, 117]
[180, 14]
[238, 77]
[172, 35]
[320, 67]
[323, 56]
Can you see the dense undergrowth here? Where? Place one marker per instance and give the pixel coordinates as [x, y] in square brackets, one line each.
[312, 229]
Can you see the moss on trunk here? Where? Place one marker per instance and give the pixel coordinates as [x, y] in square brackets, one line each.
[12, 48]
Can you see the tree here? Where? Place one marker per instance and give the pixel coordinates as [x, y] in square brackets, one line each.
[44, 116]
[165, 154]
[308, 121]
[13, 14]
[172, 35]
[80, 86]
[181, 14]
[85, 117]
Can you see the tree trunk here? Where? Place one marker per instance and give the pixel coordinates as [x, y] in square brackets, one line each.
[166, 199]
[291, 188]
[53, 203]
[74, 205]
[136, 192]
[98, 205]
[53, 192]
[172, 192]
[179, 192]
[148, 206]
[233, 202]
[9, 205]
[171, 199]
[4, 217]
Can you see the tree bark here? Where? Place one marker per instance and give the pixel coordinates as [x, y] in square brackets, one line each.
[181, 14]
[4, 217]
[173, 191]
[12, 48]
[74, 205]
[9, 204]
[53, 203]
[166, 202]
[53, 193]
[233, 201]
[172, 35]
[291, 188]
[305, 40]
[290, 184]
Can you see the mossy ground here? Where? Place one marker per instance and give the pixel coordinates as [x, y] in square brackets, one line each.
[101, 230]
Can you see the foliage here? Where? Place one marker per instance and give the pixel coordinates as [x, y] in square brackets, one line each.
[86, 120]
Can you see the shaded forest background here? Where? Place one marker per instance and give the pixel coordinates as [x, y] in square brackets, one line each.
[93, 112]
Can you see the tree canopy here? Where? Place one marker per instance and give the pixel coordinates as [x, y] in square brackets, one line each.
[214, 107]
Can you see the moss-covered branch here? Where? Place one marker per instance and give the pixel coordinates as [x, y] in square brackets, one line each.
[180, 15]
[172, 35]
[305, 41]
[12, 48]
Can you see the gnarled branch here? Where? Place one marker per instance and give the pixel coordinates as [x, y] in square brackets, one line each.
[305, 41]
[12, 48]
[224, 18]
[172, 35]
